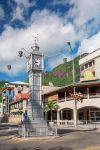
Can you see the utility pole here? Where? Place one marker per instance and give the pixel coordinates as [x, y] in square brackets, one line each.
[74, 91]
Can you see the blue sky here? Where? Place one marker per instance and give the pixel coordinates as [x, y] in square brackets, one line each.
[56, 22]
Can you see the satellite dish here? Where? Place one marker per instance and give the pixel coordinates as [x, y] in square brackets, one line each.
[20, 53]
[9, 67]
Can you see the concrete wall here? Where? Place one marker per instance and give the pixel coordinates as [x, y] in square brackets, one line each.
[89, 57]
[94, 102]
[97, 67]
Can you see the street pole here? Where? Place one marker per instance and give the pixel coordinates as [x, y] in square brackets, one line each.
[75, 101]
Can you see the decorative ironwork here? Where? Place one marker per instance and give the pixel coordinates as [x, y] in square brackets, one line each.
[9, 67]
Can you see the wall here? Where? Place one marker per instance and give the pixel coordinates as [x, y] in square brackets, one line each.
[95, 102]
[90, 57]
[53, 97]
[97, 67]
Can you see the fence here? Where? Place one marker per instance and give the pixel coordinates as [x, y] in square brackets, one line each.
[26, 130]
[80, 123]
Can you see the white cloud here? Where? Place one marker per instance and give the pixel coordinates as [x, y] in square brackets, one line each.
[2, 14]
[59, 2]
[53, 32]
[22, 9]
[90, 44]
[84, 10]
[53, 35]
[25, 3]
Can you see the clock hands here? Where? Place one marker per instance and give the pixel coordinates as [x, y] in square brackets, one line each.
[37, 62]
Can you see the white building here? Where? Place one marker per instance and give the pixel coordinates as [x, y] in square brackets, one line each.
[89, 86]
[90, 66]
[0, 109]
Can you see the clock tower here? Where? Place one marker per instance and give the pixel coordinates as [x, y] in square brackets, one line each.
[35, 68]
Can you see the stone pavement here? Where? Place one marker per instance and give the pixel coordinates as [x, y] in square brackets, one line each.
[68, 139]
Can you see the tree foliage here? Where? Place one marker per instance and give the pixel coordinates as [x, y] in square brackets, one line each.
[2, 83]
[50, 106]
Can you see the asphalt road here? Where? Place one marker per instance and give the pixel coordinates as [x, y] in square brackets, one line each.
[67, 140]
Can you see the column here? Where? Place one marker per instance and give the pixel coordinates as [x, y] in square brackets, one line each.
[75, 110]
[88, 93]
[89, 116]
[65, 96]
[58, 118]
[75, 113]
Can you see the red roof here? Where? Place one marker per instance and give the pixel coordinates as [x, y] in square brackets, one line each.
[22, 96]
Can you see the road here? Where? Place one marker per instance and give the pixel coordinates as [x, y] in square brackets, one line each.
[71, 140]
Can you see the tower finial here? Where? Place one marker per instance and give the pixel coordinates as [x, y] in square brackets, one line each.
[35, 45]
[35, 36]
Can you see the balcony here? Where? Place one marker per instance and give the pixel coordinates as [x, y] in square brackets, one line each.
[94, 95]
[69, 98]
[14, 110]
[63, 99]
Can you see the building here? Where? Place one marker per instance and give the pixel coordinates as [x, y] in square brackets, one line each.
[89, 66]
[14, 101]
[88, 109]
[15, 97]
[0, 109]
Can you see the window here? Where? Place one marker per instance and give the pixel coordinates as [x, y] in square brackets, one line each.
[93, 62]
[90, 64]
[94, 73]
[82, 68]
[20, 89]
[86, 66]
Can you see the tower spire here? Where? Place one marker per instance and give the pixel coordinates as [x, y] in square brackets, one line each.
[35, 46]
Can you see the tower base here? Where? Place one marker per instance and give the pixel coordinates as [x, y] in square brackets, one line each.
[34, 129]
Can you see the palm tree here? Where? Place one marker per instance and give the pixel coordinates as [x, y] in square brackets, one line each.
[50, 106]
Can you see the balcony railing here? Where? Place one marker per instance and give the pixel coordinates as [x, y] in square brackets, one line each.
[61, 99]
[85, 96]
[94, 95]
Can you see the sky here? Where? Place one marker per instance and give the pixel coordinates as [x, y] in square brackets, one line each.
[56, 22]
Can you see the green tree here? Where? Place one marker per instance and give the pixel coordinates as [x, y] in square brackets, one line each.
[50, 106]
[2, 83]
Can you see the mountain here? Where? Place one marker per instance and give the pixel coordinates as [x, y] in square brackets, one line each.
[62, 74]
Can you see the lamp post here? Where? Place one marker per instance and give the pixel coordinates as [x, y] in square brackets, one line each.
[75, 101]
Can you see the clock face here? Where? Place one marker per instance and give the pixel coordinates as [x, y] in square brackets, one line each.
[37, 62]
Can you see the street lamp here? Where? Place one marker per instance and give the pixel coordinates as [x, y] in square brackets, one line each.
[75, 107]
[9, 67]
[69, 44]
